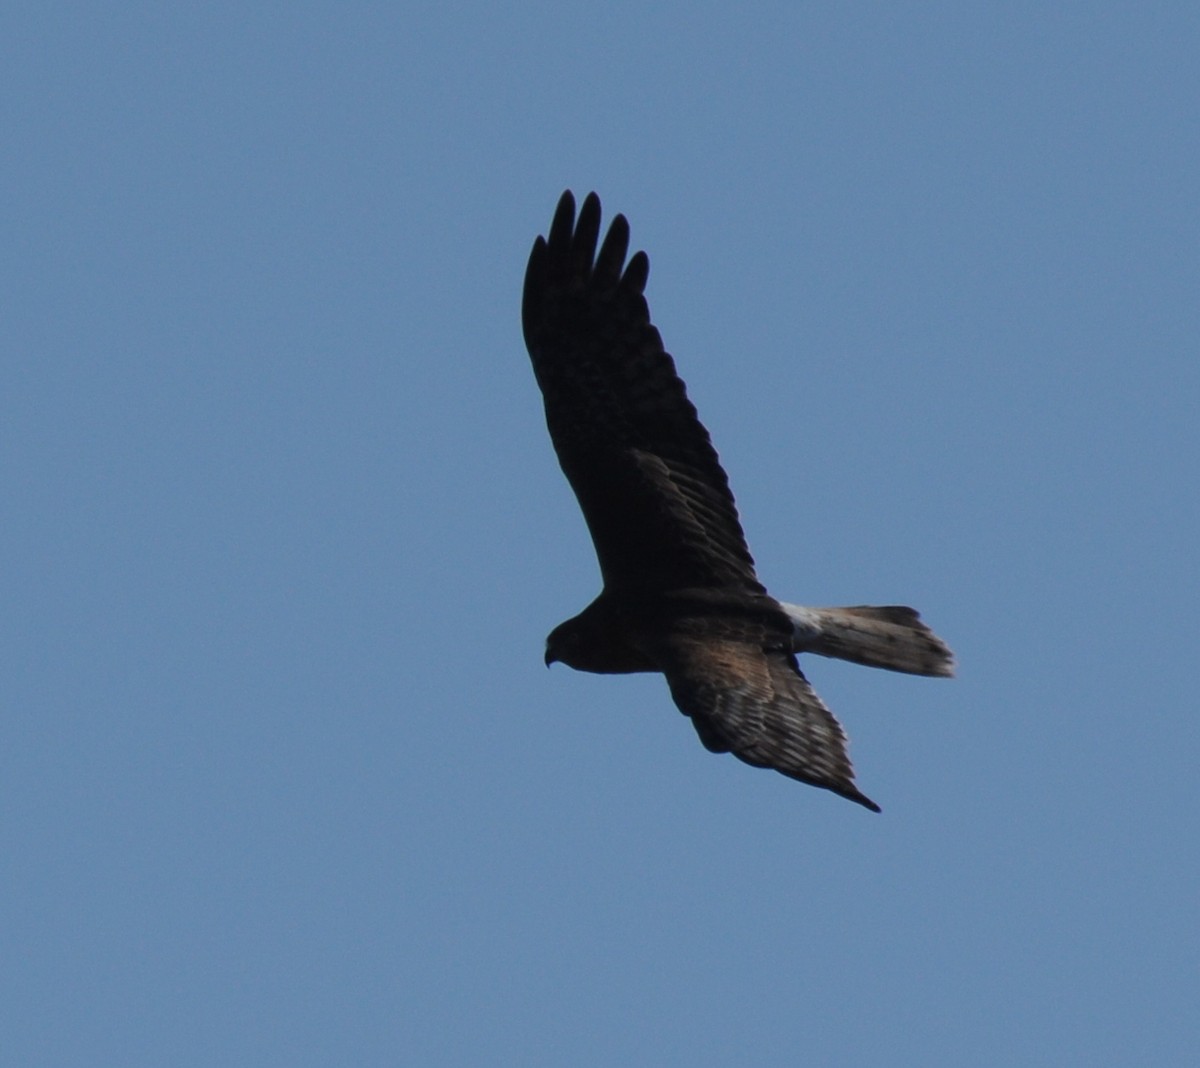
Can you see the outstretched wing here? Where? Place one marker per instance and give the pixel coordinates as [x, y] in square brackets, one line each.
[758, 705]
[652, 490]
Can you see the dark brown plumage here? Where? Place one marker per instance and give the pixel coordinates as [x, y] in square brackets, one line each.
[680, 591]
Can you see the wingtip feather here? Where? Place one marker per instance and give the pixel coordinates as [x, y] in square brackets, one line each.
[559, 238]
[613, 251]
[587, 232]
[865, 801]
[535, 273]
[637, 273]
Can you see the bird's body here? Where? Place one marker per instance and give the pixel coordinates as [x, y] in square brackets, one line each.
[680, 594]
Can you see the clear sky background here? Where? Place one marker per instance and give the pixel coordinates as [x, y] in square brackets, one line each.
[284, 780]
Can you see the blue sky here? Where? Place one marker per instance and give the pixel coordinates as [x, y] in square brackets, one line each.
[284, 780]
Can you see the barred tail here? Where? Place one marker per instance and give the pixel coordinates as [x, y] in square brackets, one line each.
[890, 636]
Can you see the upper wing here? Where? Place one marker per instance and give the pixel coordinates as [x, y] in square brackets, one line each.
[757, 705]
[651, 488]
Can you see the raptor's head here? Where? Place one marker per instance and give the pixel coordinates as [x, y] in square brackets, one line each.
[590, 642]
[567, 644]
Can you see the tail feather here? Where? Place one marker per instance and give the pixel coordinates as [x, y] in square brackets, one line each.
[888, 636]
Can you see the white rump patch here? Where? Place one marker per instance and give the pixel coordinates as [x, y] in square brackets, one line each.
[806, 624]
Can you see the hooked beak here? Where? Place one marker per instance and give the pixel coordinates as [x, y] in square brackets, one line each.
[550, 658]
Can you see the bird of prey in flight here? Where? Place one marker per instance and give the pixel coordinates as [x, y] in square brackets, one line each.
[680, 592]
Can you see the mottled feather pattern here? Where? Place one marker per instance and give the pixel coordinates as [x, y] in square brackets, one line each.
[746, 695]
